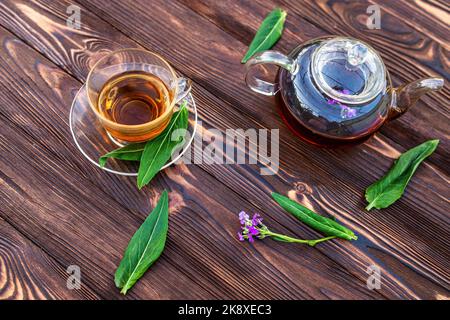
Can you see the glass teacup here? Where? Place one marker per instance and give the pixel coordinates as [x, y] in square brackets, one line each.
[133, 93]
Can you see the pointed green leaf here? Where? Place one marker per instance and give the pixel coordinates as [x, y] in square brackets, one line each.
[268, 33]
[132, 152]
[159, 150]
[312, 219]
[390, 188]
[145, 246]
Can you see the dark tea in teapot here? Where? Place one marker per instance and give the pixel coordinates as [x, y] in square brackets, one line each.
[321, 119]
[335, 91]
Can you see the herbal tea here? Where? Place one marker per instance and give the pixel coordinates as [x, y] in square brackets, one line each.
[334, 91]
[133, 98]
[133, 94]
[320, 119]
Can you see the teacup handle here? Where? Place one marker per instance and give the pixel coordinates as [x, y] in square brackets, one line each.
[266, 57]
[184, 87]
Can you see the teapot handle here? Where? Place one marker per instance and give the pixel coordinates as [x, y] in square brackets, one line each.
[266, 57]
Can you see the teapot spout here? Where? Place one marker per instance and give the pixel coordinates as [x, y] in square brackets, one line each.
[407, 95]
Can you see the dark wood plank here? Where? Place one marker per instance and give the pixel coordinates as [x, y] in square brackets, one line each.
[100, 226]
[60, 209]
[27, 272]
[360, 271]
[408, 54]
[308, 187]
[230, 83]
[218, 58]
[430, 18]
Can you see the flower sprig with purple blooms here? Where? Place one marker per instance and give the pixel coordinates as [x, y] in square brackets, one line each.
[254, 228]
[346, 112]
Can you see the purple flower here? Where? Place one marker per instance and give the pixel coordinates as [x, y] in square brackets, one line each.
[256, 219]
[252, 231]
[347, 113]
[243, 217]
[332, 101]
[250, 228]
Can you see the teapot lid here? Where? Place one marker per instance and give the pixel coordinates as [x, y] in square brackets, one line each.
[348, 70]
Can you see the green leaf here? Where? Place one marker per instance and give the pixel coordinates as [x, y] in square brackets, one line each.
[145, 246]
[132, 152]
[159, 150]
[390, 188]
[268, 33]
[312, 219]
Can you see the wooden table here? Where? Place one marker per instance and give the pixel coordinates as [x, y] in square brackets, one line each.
[57, 210]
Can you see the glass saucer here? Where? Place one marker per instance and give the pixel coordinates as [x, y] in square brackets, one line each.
[93, 141]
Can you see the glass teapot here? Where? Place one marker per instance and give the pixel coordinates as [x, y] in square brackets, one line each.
[335, 90]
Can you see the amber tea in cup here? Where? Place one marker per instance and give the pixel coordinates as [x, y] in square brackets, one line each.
[133, 98]
[133, 93]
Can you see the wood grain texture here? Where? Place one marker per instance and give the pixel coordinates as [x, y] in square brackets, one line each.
[208, 197]
[78, 202]
[200, 195]
[409, 54]
[221, 55]
[26, 272]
